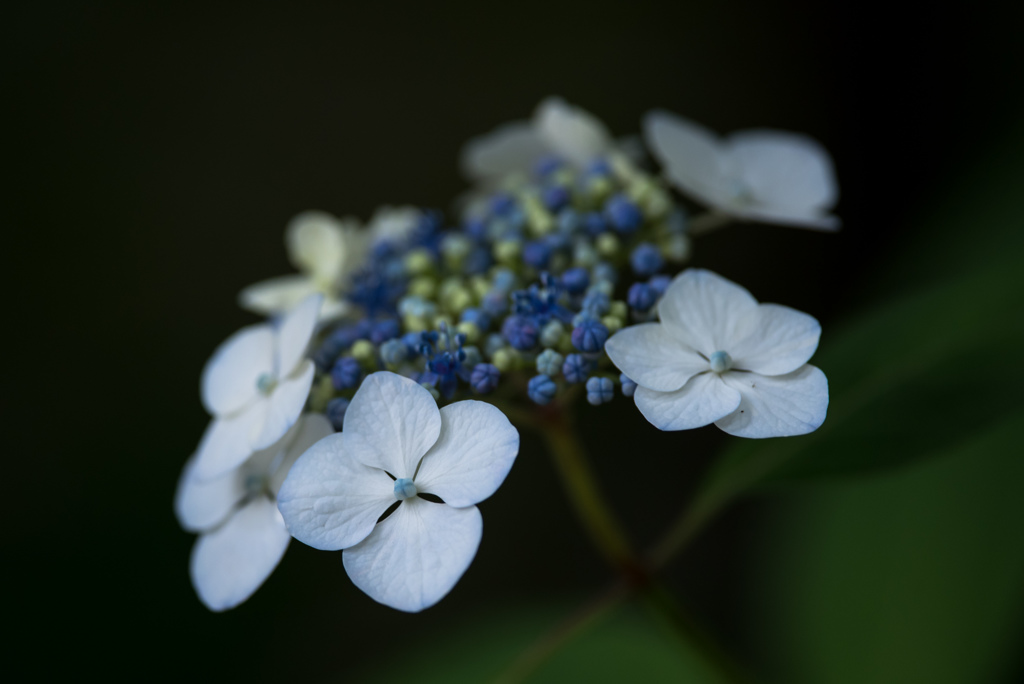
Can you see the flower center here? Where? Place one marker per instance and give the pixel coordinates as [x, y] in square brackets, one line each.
[266, 383]
[404, 489]
[720, 361]
[739, 193]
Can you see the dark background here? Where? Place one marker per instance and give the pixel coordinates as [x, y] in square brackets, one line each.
[155, 154]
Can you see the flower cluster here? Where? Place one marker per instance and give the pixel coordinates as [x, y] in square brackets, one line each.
[554, 279]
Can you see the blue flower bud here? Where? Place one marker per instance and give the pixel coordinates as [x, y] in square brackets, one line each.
[628, 386]
[547, 165]
[551, 334]
[569, 221]
[594, 223]
[541, 389]
[521, 332]
[346, 373]
[385, 329]
[484, 378]
[590, 336]
[536, 254]
[624, 216]
[555, 197]
[478, 261]
[641, 297]
[493, 343]
[476, 317]
[336, 412]
[471, 357]
[646, 260]
[393, 352]
[504, 279]
[575, 280]
[502, 203]
[549, 362]
[576, 368]
[660, 283]
[596, 304]
[605, 271]
[600, 391]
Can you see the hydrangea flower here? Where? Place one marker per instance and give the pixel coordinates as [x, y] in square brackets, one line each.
[326, 251]
[718, 356]
[255, 386]
[242, 534]
[557, 128]
[760, 175]
[395, 445]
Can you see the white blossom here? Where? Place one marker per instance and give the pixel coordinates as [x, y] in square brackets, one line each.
[326, 251]
[718, 356]
[394, 445]
[557, 128]
[242, 534]
[760, 175]
[255, 386]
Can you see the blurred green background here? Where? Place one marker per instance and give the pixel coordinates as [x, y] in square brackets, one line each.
[156, 152]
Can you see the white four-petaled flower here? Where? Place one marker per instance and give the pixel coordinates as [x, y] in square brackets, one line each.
[760, 175]
[242, 534]
[718, 356]
[326, 251]
[394, 445]
[255, 386]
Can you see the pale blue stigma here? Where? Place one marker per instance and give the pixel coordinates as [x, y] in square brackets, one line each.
[266, 383]
[720, 361]
[404, 489]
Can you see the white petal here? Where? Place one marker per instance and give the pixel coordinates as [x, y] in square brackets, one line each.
[294, 332]
[472, 455]
[393, 224]
[282, 407]
[391, 423]
[329, 500]
[316, 245]
[777, 405]
[653, 358]
[231, 563]
[779, 341]
[204, 504]
[308, 430]
[705, 311]
[701, 401]
[573, 133]
[784, 170]
[277, 295]
[812, 219]
[692, 155]
[415, 556]
[512, 147]
[227, 442]
[229, 377]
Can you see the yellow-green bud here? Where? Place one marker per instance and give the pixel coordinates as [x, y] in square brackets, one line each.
[480, 286]
[323, 392]
[619, 309]
[507, 252]
[505, 359]
[443, 318]
[423, 286]
[599, 188]
[470, 330]
[538, 218]
[413, 323]
[363, 351]
[458, 300]
[613, 323]
[418, 261]
[607, 244]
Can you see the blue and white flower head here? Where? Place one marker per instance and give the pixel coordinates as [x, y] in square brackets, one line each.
[557, 129]
[395, 445]
[242, 534]
[326, 251]
[718, 356]
[255, 386]
[759, 175]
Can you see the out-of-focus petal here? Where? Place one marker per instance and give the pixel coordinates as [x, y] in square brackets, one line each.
[294, 332]
[784, 170]
[512, 147]
[229, 380]
[691, 155]
[203, 504]
[309, 429]
[573, 133]
[282, 407]
[277, 295]
[316, 245]
[227, 442]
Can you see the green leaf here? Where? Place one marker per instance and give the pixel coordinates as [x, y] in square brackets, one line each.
[914, 576]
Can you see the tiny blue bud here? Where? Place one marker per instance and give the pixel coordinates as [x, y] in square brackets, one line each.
[646, 260]
[551, 334]
[600, 391]
[493, 343]
[476, 317]
[641, 297]
[346, 373]
[660, 283]
[605, 271]
[575, 280]
[536, 254]
[547, 165]
[336, 412]
[590, 336]
[594, 223]
[393, 352]
[555, 197]
[569, 221]
[265, 383]
[624, 216]
[484, 378]
[549, 362]
[471, 357]
[576, 368]
[596, 304]
[520, 331]
[541, 389]
[504, 279]
[404, 489]
[628, 386]
[502, 203]
[386, 329]
[720, 361]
